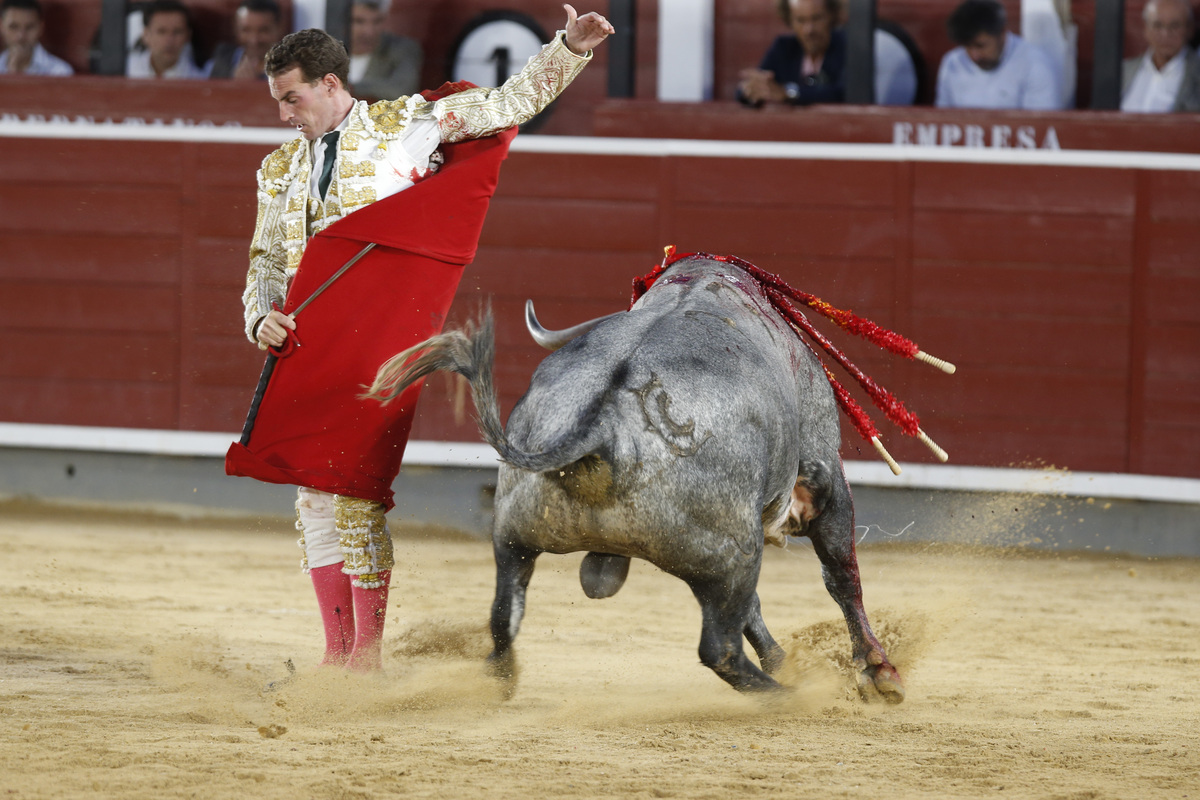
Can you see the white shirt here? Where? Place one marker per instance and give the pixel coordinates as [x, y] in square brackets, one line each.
[1153, 90]
[137, 65]
[42, 63]
[319, 151]
[1025, 79]
[416, 147]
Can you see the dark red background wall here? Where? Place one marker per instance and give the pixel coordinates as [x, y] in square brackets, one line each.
[1066, 295]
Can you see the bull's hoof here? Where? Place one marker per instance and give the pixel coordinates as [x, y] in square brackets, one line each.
[881, 682]
[504, 669]
[764, 686]
[603, 574]
[773, 660]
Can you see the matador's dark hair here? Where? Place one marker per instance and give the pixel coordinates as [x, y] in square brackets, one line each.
[314, 51]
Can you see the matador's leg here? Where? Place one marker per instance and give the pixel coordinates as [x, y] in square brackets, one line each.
[323, 562]
[367, 547]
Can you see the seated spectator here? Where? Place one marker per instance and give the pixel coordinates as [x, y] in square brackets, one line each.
[993, 67]
[383, 66]
[21, 28]
[166, 36]
[1167, 76]
[803, 67]
[257, 25]
[808, 65]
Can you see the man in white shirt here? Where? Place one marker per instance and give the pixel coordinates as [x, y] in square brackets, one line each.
[993, 67]
[167, 35]
[1167, 77]
[21, 28]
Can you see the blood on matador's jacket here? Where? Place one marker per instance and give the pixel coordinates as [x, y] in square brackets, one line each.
[311, 427]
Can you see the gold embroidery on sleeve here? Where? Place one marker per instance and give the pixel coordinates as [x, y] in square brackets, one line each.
[482, 112]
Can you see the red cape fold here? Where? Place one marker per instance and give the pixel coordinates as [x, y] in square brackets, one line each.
[312, 429]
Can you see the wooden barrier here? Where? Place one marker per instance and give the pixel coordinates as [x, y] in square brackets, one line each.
[1067, 294]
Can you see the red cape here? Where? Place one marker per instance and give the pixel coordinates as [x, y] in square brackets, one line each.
[311, 428]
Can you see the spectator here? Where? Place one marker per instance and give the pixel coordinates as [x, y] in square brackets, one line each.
[804, 67]
[258, 24]
[993, 67]
[1167, 76]
[166, 36]
[21, 27]
[383, 66]
[808, 65]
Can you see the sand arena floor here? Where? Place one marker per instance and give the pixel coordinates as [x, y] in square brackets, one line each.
[134, 649]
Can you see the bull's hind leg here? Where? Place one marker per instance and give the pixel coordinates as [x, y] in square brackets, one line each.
[514, 569]
[770, 654]
[832, 535]
[728, 615]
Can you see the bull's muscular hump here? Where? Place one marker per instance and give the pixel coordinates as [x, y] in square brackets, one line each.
[682, 432]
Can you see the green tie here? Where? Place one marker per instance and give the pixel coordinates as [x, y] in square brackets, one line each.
[331, 140]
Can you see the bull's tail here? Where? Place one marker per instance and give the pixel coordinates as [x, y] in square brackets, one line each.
[470, 353]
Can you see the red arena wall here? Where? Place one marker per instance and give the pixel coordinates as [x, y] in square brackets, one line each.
[1065, 290]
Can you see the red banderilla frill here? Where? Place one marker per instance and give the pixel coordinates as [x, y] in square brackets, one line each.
[781, 296]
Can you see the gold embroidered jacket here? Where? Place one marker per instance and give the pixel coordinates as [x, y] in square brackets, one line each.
[385, 148]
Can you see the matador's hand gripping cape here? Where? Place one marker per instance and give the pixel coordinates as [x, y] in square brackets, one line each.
[311, 428]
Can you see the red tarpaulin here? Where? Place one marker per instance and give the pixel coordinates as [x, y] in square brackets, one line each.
[311, 428]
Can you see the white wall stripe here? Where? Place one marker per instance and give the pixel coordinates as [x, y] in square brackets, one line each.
[593, 145]
[470, 454]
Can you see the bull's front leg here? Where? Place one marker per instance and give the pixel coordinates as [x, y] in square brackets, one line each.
[833, 540]
[514, 569]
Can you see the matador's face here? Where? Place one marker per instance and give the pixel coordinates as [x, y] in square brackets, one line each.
[312, 108]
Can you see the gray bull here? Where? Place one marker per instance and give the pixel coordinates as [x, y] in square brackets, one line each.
[682, 432]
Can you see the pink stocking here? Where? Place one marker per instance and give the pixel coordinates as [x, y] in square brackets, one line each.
[370, 609]
[336, 602]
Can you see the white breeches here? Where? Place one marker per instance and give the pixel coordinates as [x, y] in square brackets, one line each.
[348, 530]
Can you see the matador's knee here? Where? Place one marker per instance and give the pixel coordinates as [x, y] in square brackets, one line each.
[365, 540]
[319, 540]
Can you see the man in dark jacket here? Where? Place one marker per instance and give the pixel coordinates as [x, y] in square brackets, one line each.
[383, 66]
[804, 67]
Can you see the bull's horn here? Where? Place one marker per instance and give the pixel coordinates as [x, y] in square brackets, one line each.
[552, 340]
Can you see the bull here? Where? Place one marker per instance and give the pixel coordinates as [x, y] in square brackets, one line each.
[686, 431]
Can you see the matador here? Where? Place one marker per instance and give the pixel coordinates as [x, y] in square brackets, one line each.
[351, 156]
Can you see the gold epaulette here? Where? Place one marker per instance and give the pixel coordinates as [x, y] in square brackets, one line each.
[278, 166]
